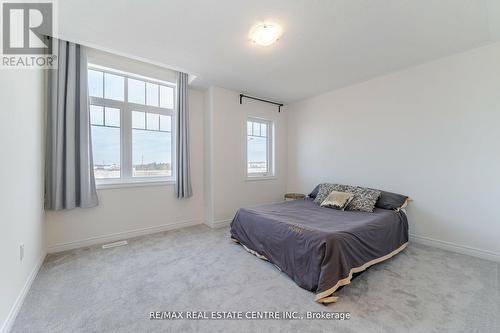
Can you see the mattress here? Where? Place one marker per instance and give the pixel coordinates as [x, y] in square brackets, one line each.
[320, 248]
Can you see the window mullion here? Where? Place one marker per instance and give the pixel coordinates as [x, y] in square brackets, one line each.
[159, 95]
[127, 143]
[127, 137]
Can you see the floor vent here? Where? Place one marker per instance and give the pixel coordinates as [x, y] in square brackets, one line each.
[115, 244]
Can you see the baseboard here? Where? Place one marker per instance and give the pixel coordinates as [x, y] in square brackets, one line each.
[120, 236]
[453, 247]
[221, 224]
[9, 321]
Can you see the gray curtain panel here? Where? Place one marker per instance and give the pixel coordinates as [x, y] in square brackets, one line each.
[183, 184]
[69, 173]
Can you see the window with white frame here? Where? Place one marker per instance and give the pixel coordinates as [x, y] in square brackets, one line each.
[260, 148]
[132, 121]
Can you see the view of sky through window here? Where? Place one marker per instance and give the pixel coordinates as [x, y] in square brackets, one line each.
[150, 144]
[257, 146]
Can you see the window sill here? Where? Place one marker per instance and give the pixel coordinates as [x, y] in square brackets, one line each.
[256, 178]
[105, 186]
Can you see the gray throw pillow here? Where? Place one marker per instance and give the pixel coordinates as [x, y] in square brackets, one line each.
[389, 200]
[314, 192]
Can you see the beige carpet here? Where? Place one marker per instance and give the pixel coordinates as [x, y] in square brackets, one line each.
[197, 269]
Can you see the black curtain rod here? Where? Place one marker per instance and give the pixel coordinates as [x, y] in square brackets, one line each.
[261, 100]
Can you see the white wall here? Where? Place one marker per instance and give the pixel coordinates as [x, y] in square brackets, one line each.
[431, 132]
[218, 161]
[226, 155]
[208, 156]
[21, 184]
[127, 212]
[218, 147]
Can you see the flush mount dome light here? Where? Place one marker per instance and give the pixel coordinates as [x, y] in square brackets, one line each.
[265, 33]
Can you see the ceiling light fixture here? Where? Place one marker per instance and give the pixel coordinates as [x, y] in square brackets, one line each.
[265, 34]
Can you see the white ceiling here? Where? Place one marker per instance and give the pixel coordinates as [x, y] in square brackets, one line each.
[326, 44]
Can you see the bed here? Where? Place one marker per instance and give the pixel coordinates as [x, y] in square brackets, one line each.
[320, 248]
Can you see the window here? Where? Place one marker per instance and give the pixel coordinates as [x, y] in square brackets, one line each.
[131, 122]
[106, 139]
[260, 149]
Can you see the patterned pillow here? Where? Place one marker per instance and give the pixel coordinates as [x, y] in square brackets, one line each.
[325, 189]
[364, 198]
